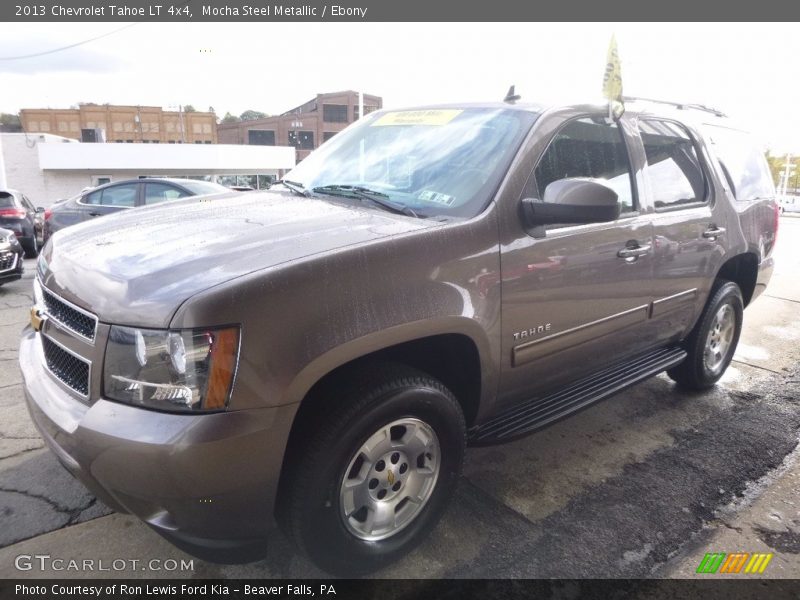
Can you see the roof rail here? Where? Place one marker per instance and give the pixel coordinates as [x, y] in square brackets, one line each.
[679, 105]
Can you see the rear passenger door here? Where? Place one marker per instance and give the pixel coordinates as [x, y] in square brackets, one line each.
[109, 200]
[689, 224]
[575, 297]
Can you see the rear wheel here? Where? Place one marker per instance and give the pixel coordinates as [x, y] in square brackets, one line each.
[712, 343]
[376, 473]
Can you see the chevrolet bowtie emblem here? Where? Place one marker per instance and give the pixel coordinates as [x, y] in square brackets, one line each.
[390, 477]
[36, 319]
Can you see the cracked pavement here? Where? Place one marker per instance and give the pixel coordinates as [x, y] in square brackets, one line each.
[641, 485]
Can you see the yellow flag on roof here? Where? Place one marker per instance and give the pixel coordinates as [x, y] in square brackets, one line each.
[612, 80]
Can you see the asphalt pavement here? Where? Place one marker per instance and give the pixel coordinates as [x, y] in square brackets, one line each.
[641, 485]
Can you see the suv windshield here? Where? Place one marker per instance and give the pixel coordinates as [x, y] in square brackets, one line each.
[433, 162]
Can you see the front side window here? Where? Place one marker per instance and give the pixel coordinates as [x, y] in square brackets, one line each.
[673, 167]
[435, 162]
[155, 193]
[590, 148]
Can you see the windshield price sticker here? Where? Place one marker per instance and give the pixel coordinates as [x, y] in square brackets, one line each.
[417, 117]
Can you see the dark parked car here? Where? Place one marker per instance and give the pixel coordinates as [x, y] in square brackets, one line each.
[426, 279]
[20, 216]
[121, 195]
[11, 255]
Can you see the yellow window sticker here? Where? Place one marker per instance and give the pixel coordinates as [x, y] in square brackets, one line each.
[417, 117]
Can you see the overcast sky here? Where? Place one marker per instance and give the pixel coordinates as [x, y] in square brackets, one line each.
[747, 70]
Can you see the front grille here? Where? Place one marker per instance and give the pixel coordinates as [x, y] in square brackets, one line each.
[69, 369]
[70, 317]
[8, 260]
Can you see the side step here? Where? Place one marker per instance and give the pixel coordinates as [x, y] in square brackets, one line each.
[543, 411]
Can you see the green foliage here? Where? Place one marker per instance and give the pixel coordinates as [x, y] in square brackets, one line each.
[189, 108]
[252, 115]
[229, 118]
[10, 123]
[776, 168]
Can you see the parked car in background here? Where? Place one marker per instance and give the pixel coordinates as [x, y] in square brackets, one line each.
[789, 203]
[11, 255]
[121, 195]
[18, 214]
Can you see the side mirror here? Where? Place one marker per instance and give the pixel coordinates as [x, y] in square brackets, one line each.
[574, 200]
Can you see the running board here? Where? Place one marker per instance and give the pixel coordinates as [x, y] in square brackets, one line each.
[541, 412]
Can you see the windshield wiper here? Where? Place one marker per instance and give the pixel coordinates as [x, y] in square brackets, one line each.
[297, 188]
[378, 198]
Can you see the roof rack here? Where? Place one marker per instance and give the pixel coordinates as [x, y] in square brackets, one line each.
[679, 105]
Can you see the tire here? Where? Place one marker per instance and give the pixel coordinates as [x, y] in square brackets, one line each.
[712, 343]
[31, 248]
[392, 405]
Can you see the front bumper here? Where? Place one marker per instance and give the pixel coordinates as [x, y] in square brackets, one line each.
[205, 482]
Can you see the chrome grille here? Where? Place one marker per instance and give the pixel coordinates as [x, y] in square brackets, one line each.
[71, 317]
[68, 368]
[8, 260]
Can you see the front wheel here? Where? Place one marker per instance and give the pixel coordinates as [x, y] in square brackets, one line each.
[377, 473]
[712, 342]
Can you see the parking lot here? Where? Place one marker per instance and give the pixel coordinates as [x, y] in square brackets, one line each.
[640, 485]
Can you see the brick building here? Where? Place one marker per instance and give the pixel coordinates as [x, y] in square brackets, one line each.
[304, 127]
[132, 124]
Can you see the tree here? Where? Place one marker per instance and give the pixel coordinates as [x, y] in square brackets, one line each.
[10, 123]
[252, 115]
[229, 118]
[189, 108]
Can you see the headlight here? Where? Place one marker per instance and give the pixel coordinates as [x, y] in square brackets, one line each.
[187, 370]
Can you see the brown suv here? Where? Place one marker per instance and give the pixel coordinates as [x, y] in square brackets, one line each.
[321, 353]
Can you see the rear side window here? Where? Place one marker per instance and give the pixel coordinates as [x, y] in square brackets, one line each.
[588, 148]
[673, 167]
[120, 195]
[7, 200]
[744, 164]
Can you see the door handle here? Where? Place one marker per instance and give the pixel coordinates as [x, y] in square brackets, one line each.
[633, 252]
[94, 214]
[713, 232]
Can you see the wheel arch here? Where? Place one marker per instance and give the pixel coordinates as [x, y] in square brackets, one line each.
[742, 269]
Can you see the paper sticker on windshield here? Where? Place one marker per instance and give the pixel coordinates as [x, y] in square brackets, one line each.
[436, 197]
[417, 117]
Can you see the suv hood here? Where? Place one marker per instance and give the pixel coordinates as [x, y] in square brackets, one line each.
[138, 266]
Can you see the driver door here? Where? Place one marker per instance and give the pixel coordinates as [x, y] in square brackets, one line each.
[575, 297]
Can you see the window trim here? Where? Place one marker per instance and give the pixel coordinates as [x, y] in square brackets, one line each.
[707, 187]
[635, 196]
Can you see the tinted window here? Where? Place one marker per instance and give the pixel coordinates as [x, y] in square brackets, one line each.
[588, 148]
[161, 192]
[676, 177]
[7, 200]
[120, 195]
[744, 164]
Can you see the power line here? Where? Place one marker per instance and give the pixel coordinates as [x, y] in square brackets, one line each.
[54, 50]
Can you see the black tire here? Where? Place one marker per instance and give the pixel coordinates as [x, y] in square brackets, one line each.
[311, 508]
[695, 372]
[31, 248]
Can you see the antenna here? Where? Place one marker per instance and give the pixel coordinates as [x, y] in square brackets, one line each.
[511, 97]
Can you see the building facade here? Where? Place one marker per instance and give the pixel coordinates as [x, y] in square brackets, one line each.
[131, 124]
[304, 127]
[47, 167]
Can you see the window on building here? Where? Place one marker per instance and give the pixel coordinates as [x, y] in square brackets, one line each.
[588, 148]
[334, 113]
[303, 140]
[673, 167]
[326, 135]
[261, 137]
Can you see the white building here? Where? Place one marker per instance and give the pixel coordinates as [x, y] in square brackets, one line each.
[48, 167]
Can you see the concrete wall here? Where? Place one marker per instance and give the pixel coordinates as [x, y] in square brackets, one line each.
[21, 158]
